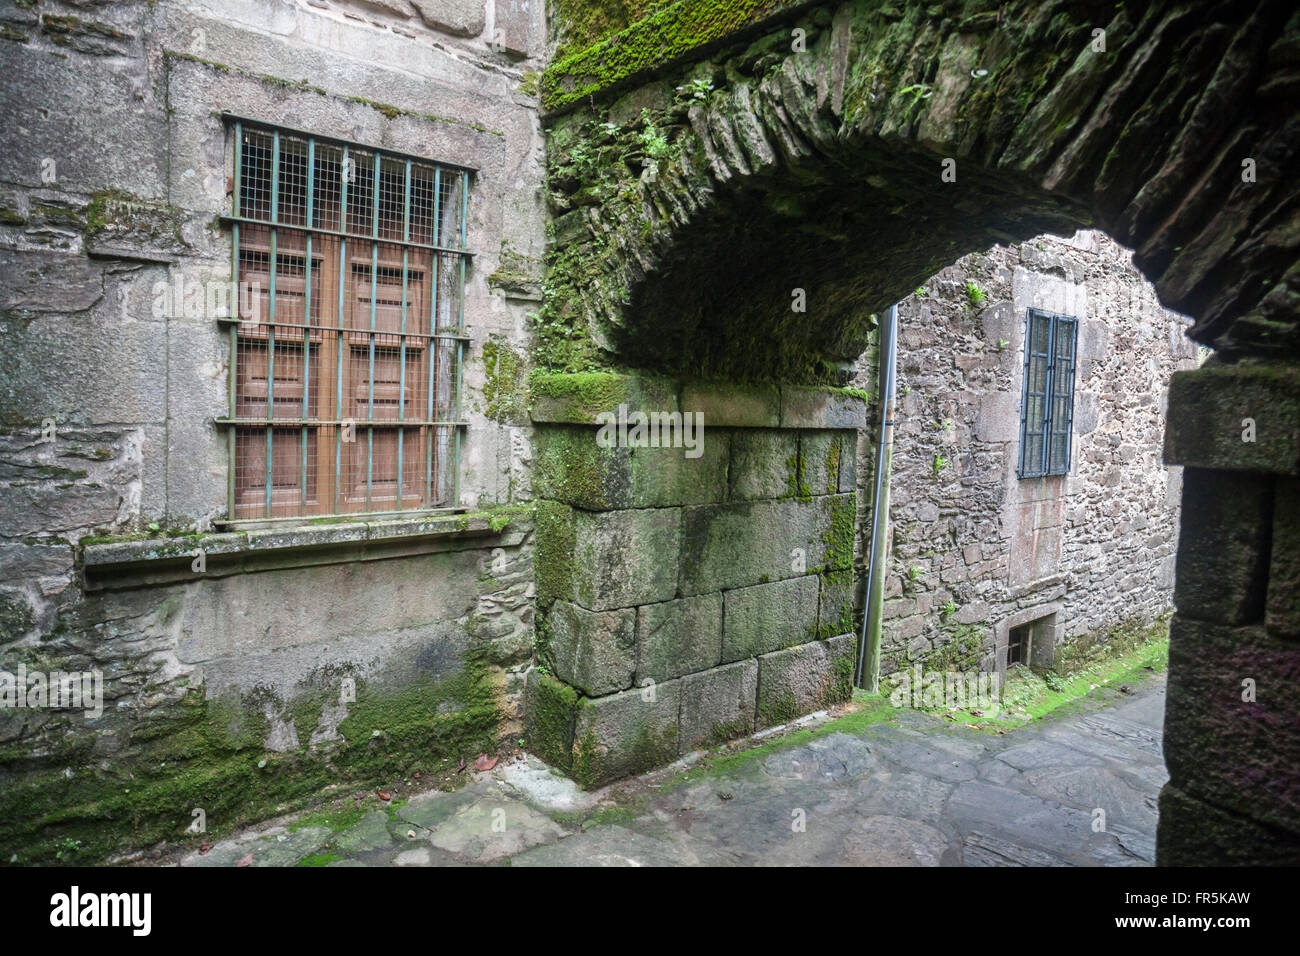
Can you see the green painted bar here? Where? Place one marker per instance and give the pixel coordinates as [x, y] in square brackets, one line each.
[344, 169]
[401, 388]
[377, 163]
[270, 340]
[306, 335]
[433, 328]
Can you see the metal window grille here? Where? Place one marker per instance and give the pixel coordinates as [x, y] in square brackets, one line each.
[1047, 403]
[346, 347]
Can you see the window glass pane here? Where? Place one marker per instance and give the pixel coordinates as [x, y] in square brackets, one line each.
[1060, 413]
[1060, 452]
[1065, 339]
[1041, 332]
[1034, 453]
[422, 212]
[1034, 413]
[1037, 375]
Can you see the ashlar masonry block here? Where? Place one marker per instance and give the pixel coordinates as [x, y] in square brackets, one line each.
[594, 651]
[607, 560]
[736, 545]
[804, 679]
[625, 733]
[718, 705]
[678, 637]
[575, 468]
[766, 617]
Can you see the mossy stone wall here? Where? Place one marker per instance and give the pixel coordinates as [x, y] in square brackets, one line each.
[645, 551]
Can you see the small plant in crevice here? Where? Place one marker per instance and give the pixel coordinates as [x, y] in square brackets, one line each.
[697, 89]
[975, 295]
[913, 573]
[921, 292]
[918, 92]
[585, 158]
[949, 609]
[1002, 344]
[939, 464]
[654, 142]
[654, 146]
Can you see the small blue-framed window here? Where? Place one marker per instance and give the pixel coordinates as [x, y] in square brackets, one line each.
[1047, 399]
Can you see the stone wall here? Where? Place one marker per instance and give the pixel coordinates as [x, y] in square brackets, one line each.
[1232, 720]
[224, 678]
[686, 599]
[975, 550]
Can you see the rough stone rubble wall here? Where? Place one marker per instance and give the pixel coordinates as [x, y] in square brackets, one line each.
[115, 171]
[1096, 548]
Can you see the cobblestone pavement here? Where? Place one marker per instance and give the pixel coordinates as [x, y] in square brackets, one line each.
[1077, 789]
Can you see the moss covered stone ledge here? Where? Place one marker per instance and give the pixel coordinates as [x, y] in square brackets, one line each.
[686, 29]
[124, 562]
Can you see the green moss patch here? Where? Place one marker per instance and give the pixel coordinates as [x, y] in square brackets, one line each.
[669, 34]
[70, 807]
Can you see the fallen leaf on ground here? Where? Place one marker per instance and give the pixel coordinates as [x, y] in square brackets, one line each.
[204, 848]
[245, 860]
[484, 762]
[384, 795]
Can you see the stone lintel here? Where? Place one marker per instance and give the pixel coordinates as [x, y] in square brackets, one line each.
[578, 399]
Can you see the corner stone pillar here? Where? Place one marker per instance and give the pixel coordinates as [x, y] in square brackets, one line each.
[1232, 720]
[687, 595]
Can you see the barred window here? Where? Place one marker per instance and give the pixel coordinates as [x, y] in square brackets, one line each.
[1047, 403]
[346, 350]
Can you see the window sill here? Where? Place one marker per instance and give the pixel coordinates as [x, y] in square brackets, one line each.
[149, 562]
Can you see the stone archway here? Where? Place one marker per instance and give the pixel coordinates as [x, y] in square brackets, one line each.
[844, 152]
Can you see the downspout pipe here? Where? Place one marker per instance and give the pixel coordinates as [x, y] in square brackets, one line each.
[868, 661]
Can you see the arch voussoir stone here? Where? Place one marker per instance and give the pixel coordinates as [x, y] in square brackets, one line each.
[794, 162]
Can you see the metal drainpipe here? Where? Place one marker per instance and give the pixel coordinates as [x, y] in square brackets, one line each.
[868, 666]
